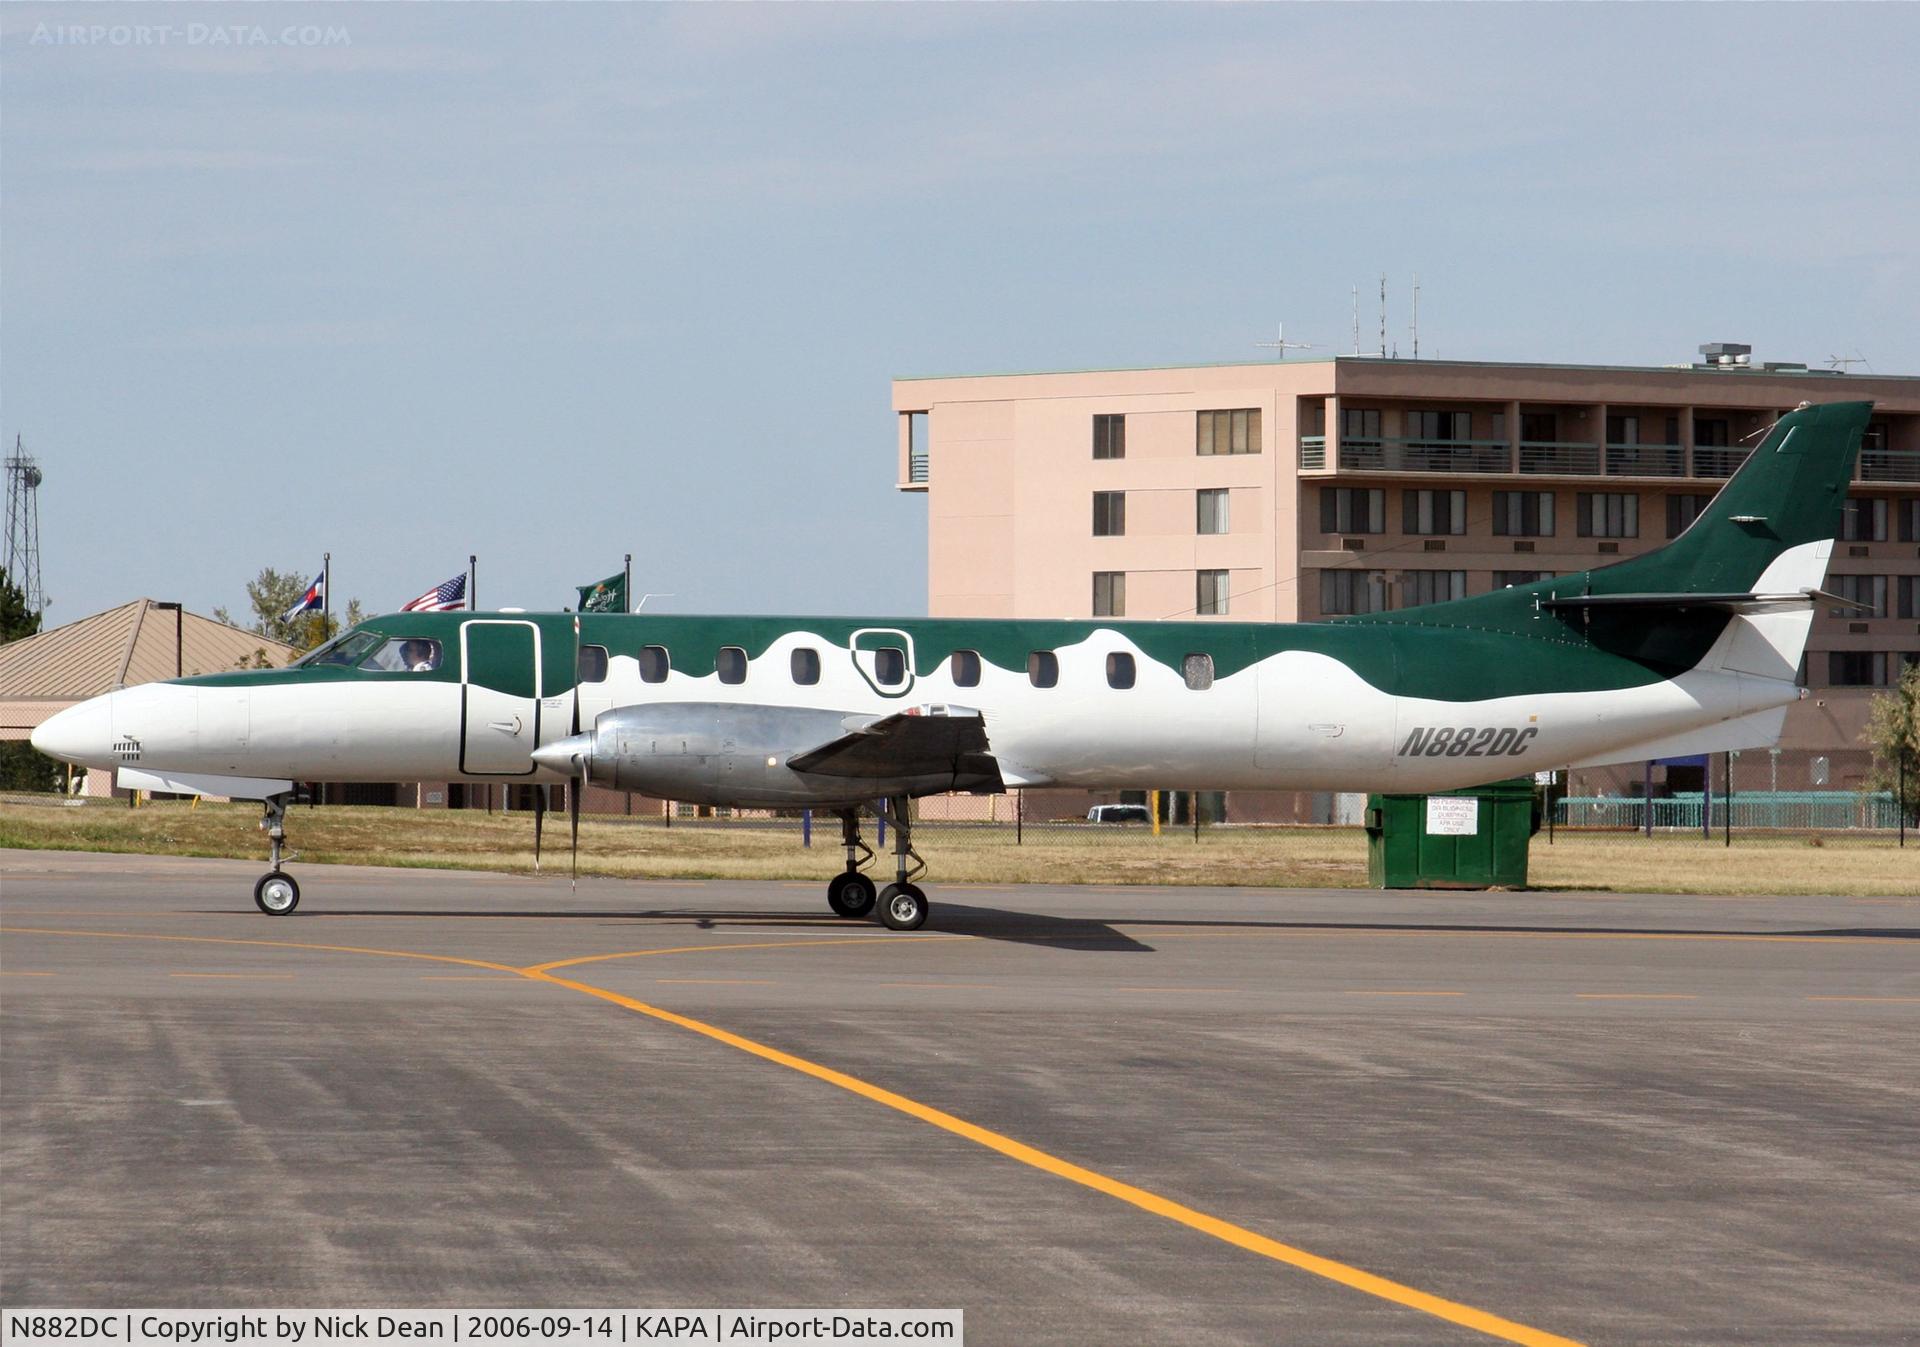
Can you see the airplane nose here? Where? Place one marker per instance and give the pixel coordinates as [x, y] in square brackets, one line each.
[81, 735]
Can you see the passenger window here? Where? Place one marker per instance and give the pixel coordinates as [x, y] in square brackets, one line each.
[593, 664]
[404, 654]
[889, 666]
[1043, 669]
[654, 664]
[1120, 670]
[732, 664]
[806, 666]
[966, 668]
[1199, 671]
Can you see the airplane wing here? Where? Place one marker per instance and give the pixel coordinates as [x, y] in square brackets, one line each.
[925, 741]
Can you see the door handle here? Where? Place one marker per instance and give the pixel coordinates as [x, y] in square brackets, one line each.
[505, 726]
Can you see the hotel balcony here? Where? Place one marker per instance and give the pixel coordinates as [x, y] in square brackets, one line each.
[1558, 458]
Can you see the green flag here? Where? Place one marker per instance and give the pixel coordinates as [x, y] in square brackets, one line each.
[604, 596]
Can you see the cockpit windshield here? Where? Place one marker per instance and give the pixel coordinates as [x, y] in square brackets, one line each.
[346, 651]
[380, 654]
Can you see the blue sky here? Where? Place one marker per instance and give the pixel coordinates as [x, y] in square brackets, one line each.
[553, 283]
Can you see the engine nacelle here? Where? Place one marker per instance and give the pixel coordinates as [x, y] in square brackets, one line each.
[728, 754]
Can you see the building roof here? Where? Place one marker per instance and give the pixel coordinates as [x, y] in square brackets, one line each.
[133, 643]
[1838, 378]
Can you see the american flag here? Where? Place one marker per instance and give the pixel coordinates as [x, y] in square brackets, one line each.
[442, 598]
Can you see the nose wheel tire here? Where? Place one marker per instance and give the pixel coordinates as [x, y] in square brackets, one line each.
[850, 894]
[903, 907]
[276, 893]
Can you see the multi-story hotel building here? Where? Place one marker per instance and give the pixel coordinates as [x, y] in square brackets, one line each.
[1299, 489]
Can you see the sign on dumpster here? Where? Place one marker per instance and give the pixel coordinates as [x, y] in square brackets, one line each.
[1452, 816]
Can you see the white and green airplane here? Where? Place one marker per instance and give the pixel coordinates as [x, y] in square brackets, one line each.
[1688, 649]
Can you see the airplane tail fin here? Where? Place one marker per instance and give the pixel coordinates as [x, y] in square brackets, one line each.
[1736, 591]
[1772, 525]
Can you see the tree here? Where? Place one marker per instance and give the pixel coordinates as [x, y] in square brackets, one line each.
[15, 620]
[270, 594]
[1893, 733]
[22, 767]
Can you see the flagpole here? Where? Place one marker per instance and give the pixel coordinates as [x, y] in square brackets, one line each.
[626, 571]
[473, 584]
[326, 594]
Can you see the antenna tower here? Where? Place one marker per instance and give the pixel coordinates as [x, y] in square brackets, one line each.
[1282, 345]
[1383, 315]
[1416, 315]
[22, 556]
[1356, 320]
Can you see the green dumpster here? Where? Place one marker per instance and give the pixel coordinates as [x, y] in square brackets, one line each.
[1458, 839]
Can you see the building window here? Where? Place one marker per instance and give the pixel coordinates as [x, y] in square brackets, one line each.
[1444, 426]
[1508, 579]
[1210, 593]
[1353, 509]
[1910, 596]
[1869, 590]
[1909, 511]
[1711, 432]
[593, 664]
[1609, 514]
[1353, 592]
[965, 668]
[1120, 671]
[1229, 432]
[1433, 512]
[1857, 668]
[1043, 669]
[1110, 435]
[732, 664]
[1211, 508]
[1423, 587]
[889, 666]
[1523, 514]
[1623, 429]
[1359, 423]
[1198, 671]
[1683, 508]
[1864, 520]
[654, 664]
[806, 666]
[1109, 514]
[1109, 593]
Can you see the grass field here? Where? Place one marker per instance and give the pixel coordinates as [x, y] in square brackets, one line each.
[1862, 866]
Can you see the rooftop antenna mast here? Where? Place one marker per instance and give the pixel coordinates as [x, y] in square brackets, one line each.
[1281, 344]
[1416, 315]
[1356, 320]
[1845, 363]
[1383, 315]
[21, 558]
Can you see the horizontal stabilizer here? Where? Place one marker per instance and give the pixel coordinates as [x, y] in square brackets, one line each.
[931, 742]
[1725, 603]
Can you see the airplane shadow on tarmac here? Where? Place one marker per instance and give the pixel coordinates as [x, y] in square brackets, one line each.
[1095, 934]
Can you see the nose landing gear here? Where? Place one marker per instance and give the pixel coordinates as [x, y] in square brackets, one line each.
[276, 893]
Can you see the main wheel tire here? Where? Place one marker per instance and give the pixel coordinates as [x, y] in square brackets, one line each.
[851, 894]
[276, 893]
[903, 907]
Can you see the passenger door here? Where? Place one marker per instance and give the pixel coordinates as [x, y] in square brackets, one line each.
[500, 683]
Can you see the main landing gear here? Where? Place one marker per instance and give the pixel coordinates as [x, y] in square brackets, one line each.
[902, 905]
[276, 893]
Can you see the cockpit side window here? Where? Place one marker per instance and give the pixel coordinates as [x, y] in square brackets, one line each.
[405, 654]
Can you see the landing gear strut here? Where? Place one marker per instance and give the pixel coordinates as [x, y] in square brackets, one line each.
[276, 893]
[903, 907]
[851, 894]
